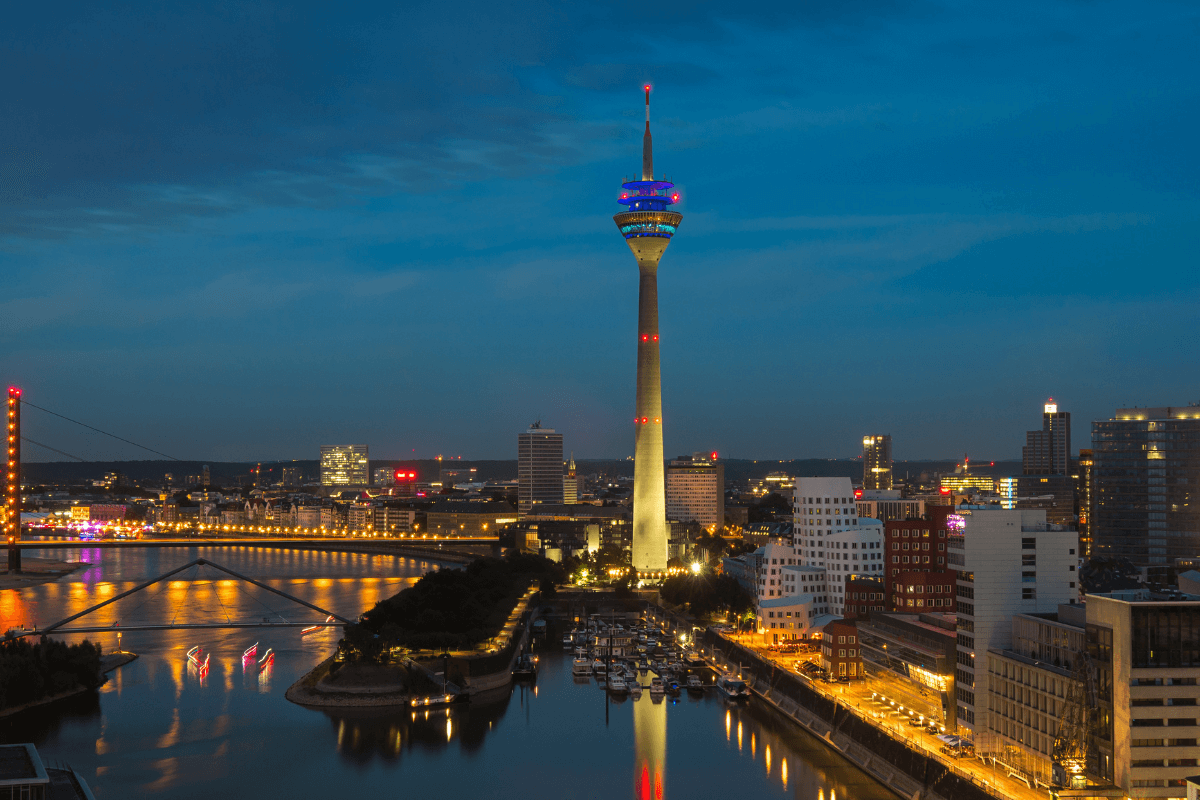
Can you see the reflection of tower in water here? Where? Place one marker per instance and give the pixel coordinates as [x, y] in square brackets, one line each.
[650, 749]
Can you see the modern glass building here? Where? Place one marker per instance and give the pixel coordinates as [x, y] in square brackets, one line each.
[877, 461]
[345, 465]
[1146, 467]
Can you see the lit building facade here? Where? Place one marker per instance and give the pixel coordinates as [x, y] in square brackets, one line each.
[1146, 656]
[917, 576]
[696, 490]
[1146, 469]
[1083, 500]
[1007, 562]
[647, 226]
[877, 461]
[828, 533]
[344, 465]
[919, 652]
[1028, 687]
[887, 505]
[571, 483]
[539, 467]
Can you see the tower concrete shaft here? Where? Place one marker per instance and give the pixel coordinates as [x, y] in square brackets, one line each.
[648, 226]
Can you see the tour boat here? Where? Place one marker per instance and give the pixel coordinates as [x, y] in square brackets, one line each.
[581, 666]
[657, 686]
[733, 686]
[193, 655]
[525, 668]
[617, 685]
[250, 652]
[268, 658]
[315, 628]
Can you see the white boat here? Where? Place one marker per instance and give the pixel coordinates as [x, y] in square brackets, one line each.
[617, 685]
[635, 689]
[657, 686]
[733, 686]
[694, 684]
[581, 666]
[598, 666]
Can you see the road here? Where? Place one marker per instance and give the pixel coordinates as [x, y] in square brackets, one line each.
[870, 699]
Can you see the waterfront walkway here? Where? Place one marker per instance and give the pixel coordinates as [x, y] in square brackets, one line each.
[856, 697]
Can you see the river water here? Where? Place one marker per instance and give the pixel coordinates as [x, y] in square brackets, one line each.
[160, 728]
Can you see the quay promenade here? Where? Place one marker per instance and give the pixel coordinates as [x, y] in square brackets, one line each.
[909, 762]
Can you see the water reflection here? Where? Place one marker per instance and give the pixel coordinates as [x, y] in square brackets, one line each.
[366, 735]
[650, 749]
[161, 728]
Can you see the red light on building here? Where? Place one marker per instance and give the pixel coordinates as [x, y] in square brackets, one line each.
[857, 494]
[404, 476]
[944, 490]
[713, 455]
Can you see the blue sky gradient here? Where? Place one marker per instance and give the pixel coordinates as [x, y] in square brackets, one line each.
[241, 231]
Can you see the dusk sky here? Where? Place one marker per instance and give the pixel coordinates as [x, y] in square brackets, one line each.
[243, 231]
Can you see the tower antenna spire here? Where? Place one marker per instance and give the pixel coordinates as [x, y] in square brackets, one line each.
[647, 148]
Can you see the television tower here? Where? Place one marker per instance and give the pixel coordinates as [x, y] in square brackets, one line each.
[648, 225]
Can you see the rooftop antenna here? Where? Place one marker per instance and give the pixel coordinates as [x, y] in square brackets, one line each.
[647, 148]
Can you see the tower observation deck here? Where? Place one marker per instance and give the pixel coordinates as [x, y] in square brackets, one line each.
[648, 225]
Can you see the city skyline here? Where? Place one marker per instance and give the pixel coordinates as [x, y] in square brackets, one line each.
[170, 272]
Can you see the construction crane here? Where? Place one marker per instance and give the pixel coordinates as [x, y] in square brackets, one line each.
[1078, 719]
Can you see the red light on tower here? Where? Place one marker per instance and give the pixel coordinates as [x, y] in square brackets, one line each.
[713, 455]
[944, 490]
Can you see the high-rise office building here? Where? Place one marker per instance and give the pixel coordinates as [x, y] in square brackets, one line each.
[1146, 469]
[1048, 451]
[1047, 482]
[1083, 500]
[571, 483]
[345, 465]
[877, 462]
[696, 490]
[539, 467]
[648, 225]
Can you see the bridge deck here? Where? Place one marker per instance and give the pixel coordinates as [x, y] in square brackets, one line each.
[265, 541]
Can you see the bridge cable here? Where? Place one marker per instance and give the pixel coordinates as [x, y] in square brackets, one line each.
[217, 592]
[97, 430]
[48, 447]
[179, 606]
[261, 603]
